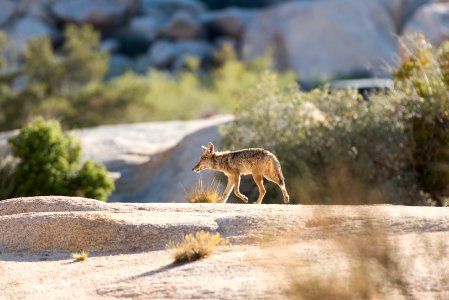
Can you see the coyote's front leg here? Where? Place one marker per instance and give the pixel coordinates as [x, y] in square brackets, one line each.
[237, 187]
[228, 189]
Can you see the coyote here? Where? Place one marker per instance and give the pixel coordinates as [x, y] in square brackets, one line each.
[258, 162]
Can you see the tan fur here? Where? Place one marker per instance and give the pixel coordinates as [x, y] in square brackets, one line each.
[258, 162]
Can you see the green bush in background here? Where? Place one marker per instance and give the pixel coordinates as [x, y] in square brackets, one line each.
[70, 86]
[333, 147]
[423, 75]
[48, 163]
[336, 148]
[46, 82]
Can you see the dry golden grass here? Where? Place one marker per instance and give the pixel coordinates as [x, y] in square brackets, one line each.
[374, 272]
[204, 193]
[80, 256]
[196, 246]
[375, 268]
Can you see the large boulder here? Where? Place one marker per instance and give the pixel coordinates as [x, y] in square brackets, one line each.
[109, 45]
[166, 8]
[71, 224]
[147, 26]
[36, 8]
[231, 22]
[324, 38]
[401, 10]
[433, 21]
[7, 11]
[167, 54]
[27, 28]
[162, 54]
[100, 13]
[167, 175]
[182, 26]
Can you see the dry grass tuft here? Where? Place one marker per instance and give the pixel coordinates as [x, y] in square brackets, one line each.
[196, 246]
[374, 270]
[371, 275]
[80, 256]
[204, 193]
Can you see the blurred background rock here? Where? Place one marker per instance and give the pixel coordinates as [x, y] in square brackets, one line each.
[318, 39]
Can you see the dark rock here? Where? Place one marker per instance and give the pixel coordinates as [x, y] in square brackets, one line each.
[102, 14]
[166, 8]
[231, 22]
[181, 26]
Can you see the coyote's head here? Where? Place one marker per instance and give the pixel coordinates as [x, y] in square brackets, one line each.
[207, 159]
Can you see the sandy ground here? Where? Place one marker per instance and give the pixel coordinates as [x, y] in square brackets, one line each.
[233, 272]
[393, 252]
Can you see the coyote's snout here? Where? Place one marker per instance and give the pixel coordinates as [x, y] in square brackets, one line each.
[259, 163]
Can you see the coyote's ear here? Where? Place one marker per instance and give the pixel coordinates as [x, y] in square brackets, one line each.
[210, 147]
[204, 149]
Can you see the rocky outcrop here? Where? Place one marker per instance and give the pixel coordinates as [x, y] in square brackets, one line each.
[29, 27]
[148, 26]
[135, 153]
[318, 40]
[7, 11]
[232, 22]
[52, 204]
[169, 54]
[59, 224]
[167, 176]
[100, 13]
[166, 8]
[326, 38]
[173, 180]
[433, 21]
[272, 247]
[182, 26]
[401, 10]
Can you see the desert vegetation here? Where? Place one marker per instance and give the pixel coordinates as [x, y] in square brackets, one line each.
[196, 246]
[337, 148]
[70, 85]
[80, 256]
[334, 146]
[46, 161]
[204, 193]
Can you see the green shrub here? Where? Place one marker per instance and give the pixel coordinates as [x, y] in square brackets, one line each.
[49, 80]
[69, 86]
[6, 173]
[423, 75]
[49, 164]
[333, 147]
[336, 148]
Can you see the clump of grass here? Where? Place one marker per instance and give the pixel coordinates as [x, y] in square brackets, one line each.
[202, 193]
[196, 246]
[374, 270]
[80, 256]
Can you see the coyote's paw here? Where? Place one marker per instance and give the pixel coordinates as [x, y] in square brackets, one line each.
[244, 199]
[287, 200]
